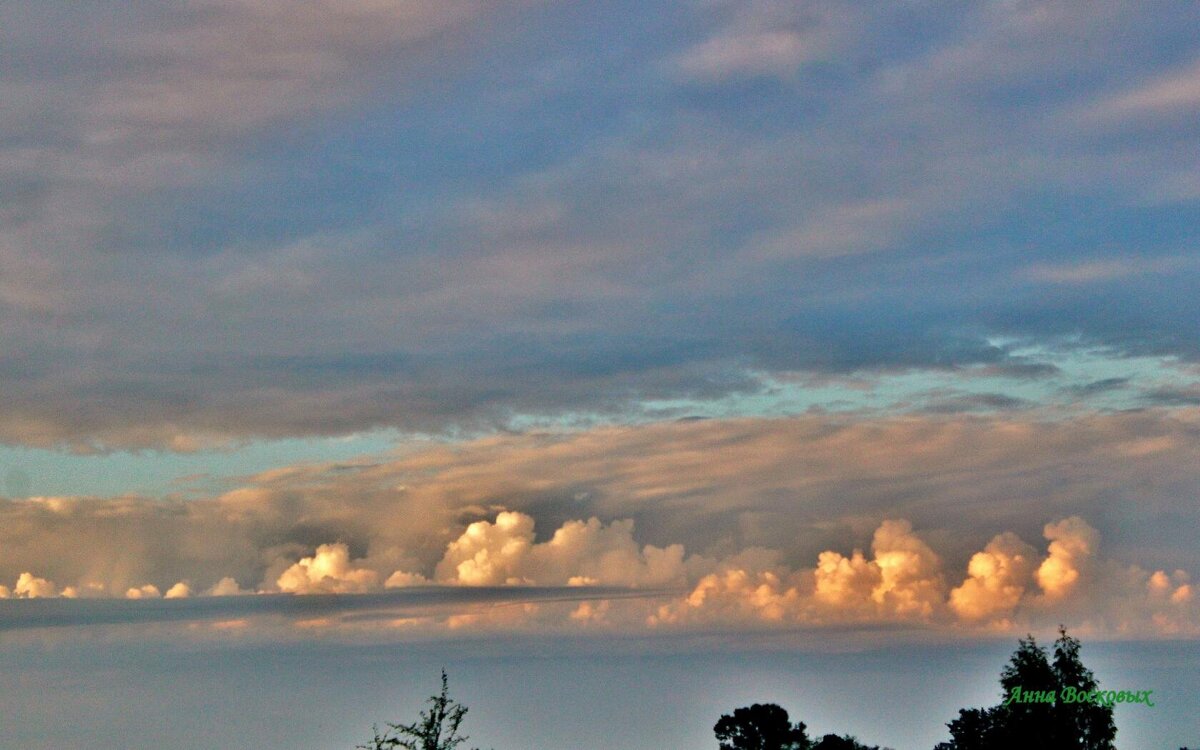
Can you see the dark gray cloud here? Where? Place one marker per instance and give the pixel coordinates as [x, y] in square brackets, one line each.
[974, 403]
[1174, 397]
[26, 614]
[1100, 386]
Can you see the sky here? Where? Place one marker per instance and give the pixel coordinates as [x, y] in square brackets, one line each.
[507, 334]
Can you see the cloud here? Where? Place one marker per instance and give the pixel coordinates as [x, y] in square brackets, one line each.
[145, 591]
[401, 579]
[858, 227]
[179, 591]
[903, 582]
[190, 259]
[903, 578]
[772, 52]
[1173, 93]
[227, 586]
[766, 38]
[328, 571]
[1098, 271]
[579, 553]
[1072, 546]
[800, 485]
[29, 586]
[997, 579]
[204, 76]
[238, 613]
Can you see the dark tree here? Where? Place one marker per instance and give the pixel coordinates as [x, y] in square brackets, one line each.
[974, 729]
[760, 727]
[1047, 722]
[1091, 723]
[1028, 725]
[844, 742]
[437, 728]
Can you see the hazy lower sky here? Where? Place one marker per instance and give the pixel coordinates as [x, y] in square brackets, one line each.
[565, 326]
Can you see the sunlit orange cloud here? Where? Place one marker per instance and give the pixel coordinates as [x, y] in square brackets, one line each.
[756, 521]
[902, 581]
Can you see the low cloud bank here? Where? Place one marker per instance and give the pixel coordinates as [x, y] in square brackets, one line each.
[902, 580]
[754, 522]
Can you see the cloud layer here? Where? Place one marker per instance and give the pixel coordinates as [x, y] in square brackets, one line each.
[902, 581]
[228, 219]
[797, 521]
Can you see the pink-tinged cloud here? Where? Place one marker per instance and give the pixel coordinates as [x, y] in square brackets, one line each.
[804, 520]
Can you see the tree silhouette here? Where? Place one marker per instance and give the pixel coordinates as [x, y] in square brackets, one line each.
[762, 726]
[1091, 723]
[437, 729]
[1049, 721]
[843, 742]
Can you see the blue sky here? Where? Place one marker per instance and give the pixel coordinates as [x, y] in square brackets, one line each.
[753, 314]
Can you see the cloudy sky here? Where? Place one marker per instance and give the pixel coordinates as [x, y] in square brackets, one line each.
[823, 326]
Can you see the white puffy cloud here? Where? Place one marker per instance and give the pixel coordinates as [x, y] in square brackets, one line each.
[1072, 545]
[227, 586]
[903, 579]
[910, 572]
[401, 579]
[146, 591]
[797, 486]
[845, 581]
[997, 578]
[579, 553]
[328, 571]
[733, 595]
[31, 587]
[771, 513]
[489, 553]
[180, 590]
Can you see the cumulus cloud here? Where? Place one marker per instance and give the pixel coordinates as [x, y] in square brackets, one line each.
[145, 591]
[733, 595]
[180, 590]
[793, 521]
[328, 571]
[401, 579]
[30, 586]
[997, 579]
[903, 578]
[910, 580]
[227, 586]
[902, 581]
[1072, 546]
[716, 486]
[579, 553]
